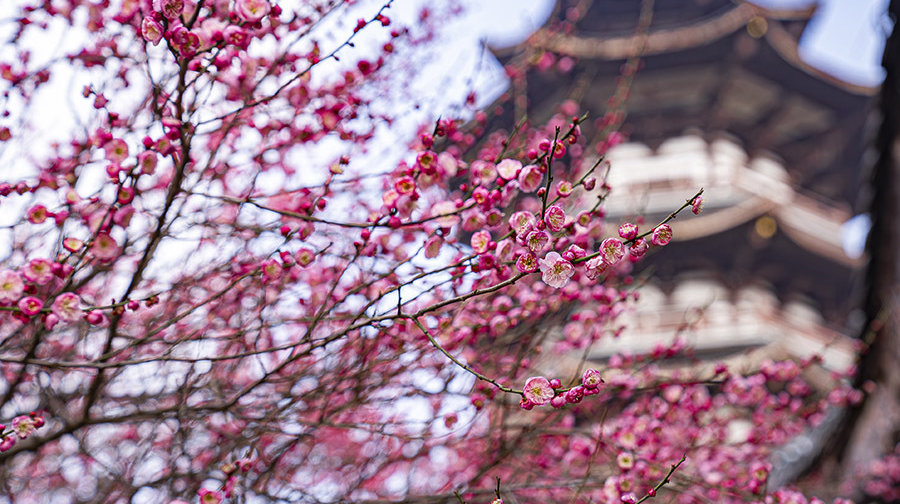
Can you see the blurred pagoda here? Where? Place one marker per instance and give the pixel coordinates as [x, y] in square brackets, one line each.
[720, 100]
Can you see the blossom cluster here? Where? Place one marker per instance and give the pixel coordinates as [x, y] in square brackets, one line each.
[22, 427]
[539, 391]
[245, 300]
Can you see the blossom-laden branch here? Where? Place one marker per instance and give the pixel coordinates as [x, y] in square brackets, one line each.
[214, 289]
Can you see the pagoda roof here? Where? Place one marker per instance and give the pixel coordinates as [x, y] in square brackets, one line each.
[709, 67]
[607, 32]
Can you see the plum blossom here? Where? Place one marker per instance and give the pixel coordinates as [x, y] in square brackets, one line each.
[7, 443]
[105, 247]
[50, 320]
[30, 305]
[252, 11]
[405, 185]
[555, 218]
[72, 244]
[116, 150]
[209, 496]
[628, 230]
[522, 222]
[473, 219]
[171, 9]
[527, 263]
[530, 178]
[151, 30]
[537, 240]
[595, 267]
[483, 170]
[480, 242]
[697, 205]
[23, 426]
[304, 257]
[433, 246]
[508, 169]
[625, 460]
[591, 378]
[638, 248]
[504, 250]
[538, 391]
[662, 235]
[37, 214]
[147, 160]
[38, 271]
[556, 271]
[11, 286]
[575, 395]
[612, 251]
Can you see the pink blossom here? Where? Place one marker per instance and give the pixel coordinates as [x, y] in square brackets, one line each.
[575, 394]
[591, 378]
[38, 271]
[433, 246]
[595, 267]
[304, 257]
[527, 263]
[556, 271]
[625, 460]
[697, 205]
[555, 218]
[662, 235]
[480, 242]
[72, 244]
[483, 170]
[209, 496]
[171, 9]
[583, 218]
[538, 391]
[271, 270]
[37, 214]
[116, 150]
[504, 250]
[151, 30]
[638, 248]
[7, 442]
[522, 222]
[405, 185]
[448, 164]
[628, 230]
[30, 305]
[252, 11]
[23, 426]
[473, 219]
[530, 178]
[574, 252]
[238, 37]
[612, 251]
[147, 160]
[564, 188]
[11, 286]
[105, 247]
[50, 320]
[508, 169]
[537, 240]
